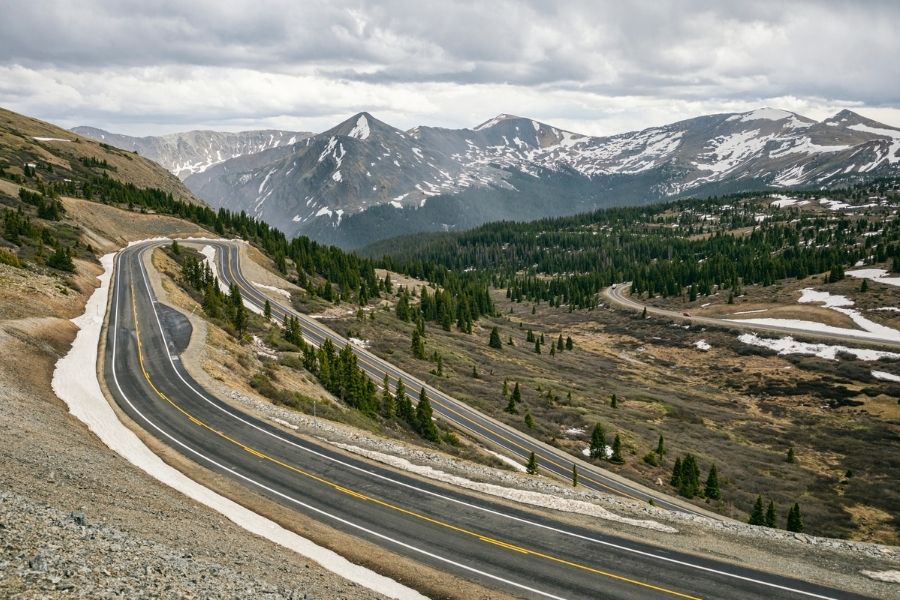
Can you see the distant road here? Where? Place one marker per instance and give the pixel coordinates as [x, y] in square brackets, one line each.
[618, 296]
[526, 553]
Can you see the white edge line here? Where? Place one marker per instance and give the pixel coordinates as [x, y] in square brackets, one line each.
[475, 506]
[365, 583]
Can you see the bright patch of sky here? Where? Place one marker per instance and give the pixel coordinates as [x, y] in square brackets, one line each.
[592, 68]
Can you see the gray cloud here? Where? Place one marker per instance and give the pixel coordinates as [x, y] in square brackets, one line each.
[173, 64]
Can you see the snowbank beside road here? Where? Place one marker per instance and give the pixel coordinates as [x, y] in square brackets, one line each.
[788, 345]
[75, 382]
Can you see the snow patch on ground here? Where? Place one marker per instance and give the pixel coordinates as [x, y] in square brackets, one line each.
[523, 496]
[75, 382]
[50, 139]
[514, 464]
[840, 304]
[702, 345]
[879, 275]
[272, 288]
[607, 452]
[885, 376]
[210, 253]
[788, 345]
[785, 201]
[750, 312]
[360, 343]
[888, 576]
[822, 328]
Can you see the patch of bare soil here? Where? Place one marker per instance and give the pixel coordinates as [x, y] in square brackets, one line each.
[110, 228]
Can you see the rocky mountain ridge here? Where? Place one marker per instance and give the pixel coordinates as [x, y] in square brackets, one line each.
[337, 186]
[191, 152]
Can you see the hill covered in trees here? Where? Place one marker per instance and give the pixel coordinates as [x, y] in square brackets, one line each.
[690, 246]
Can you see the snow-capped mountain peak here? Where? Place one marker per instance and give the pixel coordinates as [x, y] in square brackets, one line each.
[363, 163]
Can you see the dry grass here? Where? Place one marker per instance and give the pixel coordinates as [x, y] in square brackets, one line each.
[733, 405]
[17, 133]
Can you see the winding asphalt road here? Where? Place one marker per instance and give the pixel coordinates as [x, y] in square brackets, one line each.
[487, 430]
[618, 296]
[503, 548]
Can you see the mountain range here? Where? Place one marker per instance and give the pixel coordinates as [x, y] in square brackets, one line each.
[195, 151]
[365, 180]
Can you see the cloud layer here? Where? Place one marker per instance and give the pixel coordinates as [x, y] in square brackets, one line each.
[147, 67]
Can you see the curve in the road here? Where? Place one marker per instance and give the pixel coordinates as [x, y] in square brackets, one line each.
[495, 545]
[482, 427]
[617, 295]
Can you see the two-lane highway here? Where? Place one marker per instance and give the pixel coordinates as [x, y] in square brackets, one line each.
[618, 296]
[503, 548]
[487, 430]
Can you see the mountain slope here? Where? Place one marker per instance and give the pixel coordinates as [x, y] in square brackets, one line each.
[58, 154]
[195, 151]
[516, 168]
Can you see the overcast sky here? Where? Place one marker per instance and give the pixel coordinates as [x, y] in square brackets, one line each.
[148, 67]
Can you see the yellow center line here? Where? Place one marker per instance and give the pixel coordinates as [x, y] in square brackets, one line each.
[378, 501]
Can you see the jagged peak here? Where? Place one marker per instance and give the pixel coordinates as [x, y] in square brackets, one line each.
[495, 120]
[360, 126]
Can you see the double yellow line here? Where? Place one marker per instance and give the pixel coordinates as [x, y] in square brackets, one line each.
[352, 493]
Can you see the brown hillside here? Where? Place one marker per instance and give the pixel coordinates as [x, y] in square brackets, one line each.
[60, 154]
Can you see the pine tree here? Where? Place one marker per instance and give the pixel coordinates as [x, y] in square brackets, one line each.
[517, 394]
[794, 519]
[552, 350]
[239, 317]
[864, 286]
[532, 466]
[176, 249]
[560, 343]
[474, 372]
[689, 485]
[644, 313]
[569, 343]
[511, 407]
[529, 337]
[614, 402]
[388, 407]
[757, 517]
[529, 420]
[574, 475]
[267, 310]
[505, 388]
[418, 344]
[711, 489]
[660, 447]
[495, 339]
[598, 442]
[791, 458]
[771, 518]
[617, 451]
[537, 346]
[403, 403]
[424, 424]
[675, 481]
